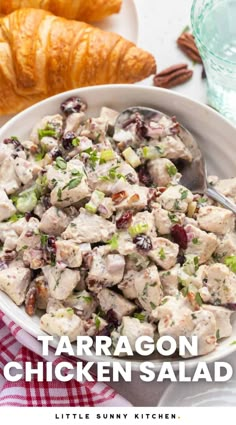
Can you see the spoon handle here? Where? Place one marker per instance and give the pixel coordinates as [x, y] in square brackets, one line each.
[214, 194]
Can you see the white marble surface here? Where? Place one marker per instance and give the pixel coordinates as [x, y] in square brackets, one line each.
[160, 24]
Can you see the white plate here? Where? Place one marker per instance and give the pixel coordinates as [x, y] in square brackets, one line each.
[202, 394]
[215, 135]
[124, 23]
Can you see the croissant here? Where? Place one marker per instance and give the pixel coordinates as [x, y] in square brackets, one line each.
[82, 10]
[42, 54]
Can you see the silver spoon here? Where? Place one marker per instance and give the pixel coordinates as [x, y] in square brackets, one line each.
[194, 174]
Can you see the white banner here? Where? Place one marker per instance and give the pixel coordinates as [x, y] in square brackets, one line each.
[121, 416]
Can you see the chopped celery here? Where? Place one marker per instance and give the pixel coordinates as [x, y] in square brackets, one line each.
[96, 199]
[26, 201]
[131, 157]
[152, 152]
[138, 229]
[107, 155]
[91, 208]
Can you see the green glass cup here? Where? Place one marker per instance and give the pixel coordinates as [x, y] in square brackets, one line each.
[214, 29]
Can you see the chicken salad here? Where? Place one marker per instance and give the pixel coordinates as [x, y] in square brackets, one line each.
[100, 237]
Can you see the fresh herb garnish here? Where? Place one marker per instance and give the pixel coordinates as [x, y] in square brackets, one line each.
[88, 300]
[231, 262]
[74, 182]
[184, 194]
[97, 322]
[171, 170]
[218, 334]
[41, 154]
[164, 301]
[112, 175]
[162, 254]
[153, 306]
[195, 241]
[15, 217]
[176, 205]
[61, 163]
[185, 291]
[59, 194]
[44, 240]
[93, 157]
[173, 218]
[140, 316]
[198, 299]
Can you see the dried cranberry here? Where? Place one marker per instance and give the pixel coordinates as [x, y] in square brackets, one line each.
[179, 236]
[141, 127]
[87, 260]
[144, 175]
[73, 104]
[152, 194]
[143, 243]
[46, 202]
[112, 319]
[230, 306]
[124, 221]
[50, 250]
[15, 142]
[55, 153]
[28, 216]
[130, 178]
[67, 140]
[181, 259]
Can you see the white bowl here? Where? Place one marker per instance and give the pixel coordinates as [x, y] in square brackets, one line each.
[215, 135]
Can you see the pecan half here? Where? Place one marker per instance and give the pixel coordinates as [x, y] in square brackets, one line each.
[187, 44]
[117, 198]
[173, 76]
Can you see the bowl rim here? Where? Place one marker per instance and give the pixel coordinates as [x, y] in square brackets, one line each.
[135, 365]
[117, 87]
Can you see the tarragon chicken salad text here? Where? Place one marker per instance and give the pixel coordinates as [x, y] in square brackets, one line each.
[98, 234]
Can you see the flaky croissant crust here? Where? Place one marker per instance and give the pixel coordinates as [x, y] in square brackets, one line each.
[41, 55]
[82, 10]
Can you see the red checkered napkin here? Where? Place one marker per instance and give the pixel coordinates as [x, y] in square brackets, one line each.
[13, 343]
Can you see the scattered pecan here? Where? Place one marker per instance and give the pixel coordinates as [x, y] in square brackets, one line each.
[134, 198]
[124, 220]
[117, 198]
[173, 76]
[30, 300]
[187, 44]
